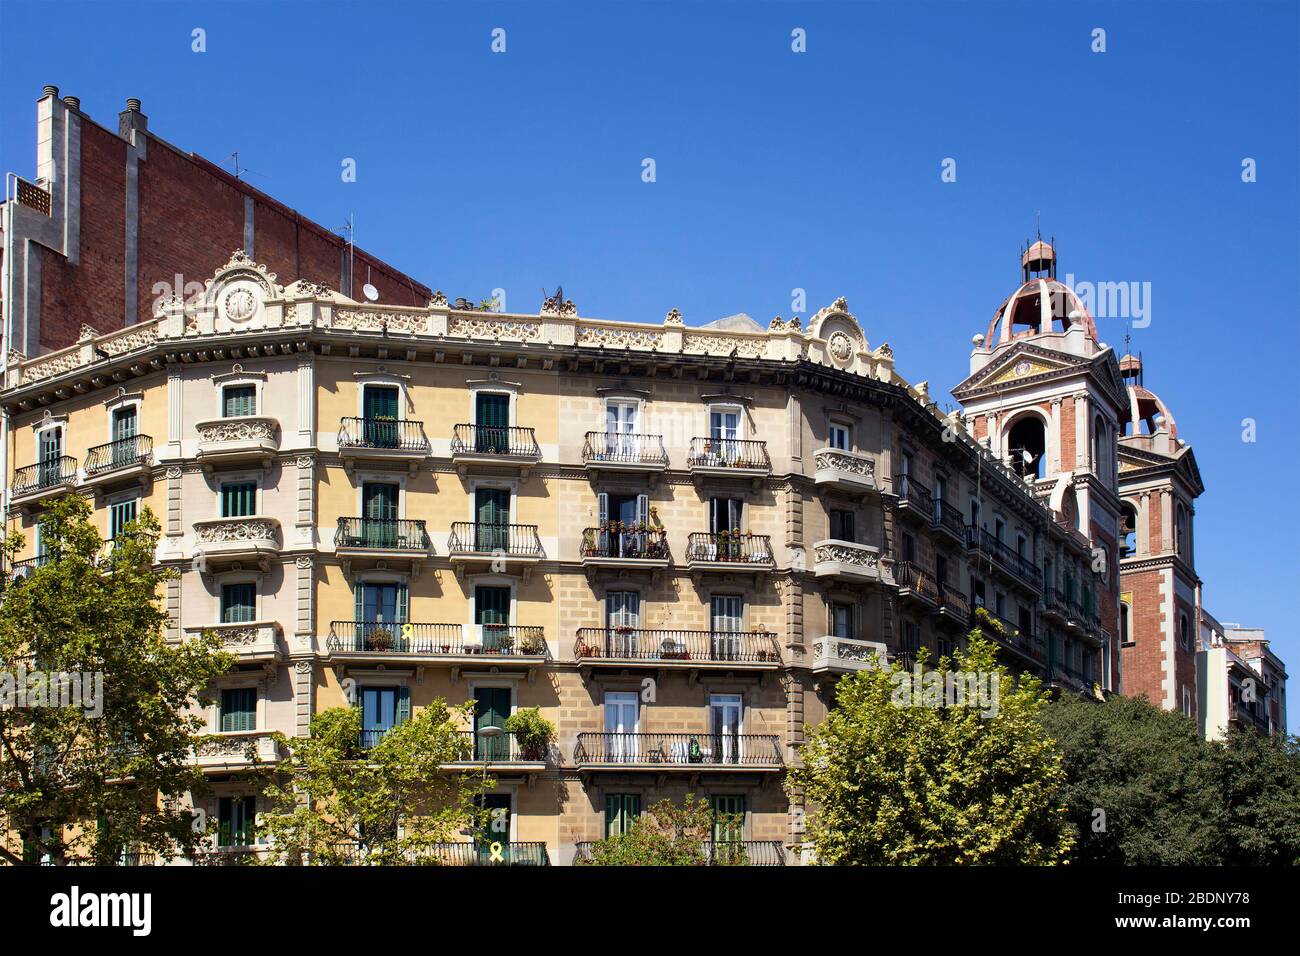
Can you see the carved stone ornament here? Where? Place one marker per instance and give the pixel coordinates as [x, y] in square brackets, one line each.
[237, 429]
[841, 347]
[240, 305]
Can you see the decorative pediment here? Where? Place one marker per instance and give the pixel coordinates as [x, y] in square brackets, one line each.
[1021, 364]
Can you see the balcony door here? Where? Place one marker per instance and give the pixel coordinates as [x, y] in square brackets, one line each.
[491, 519]
[617, 515]
[380, 614]
[726, 515]
[492, 615]
[623, 618]
[728, 822]
[491, 708]
[379, 409]
[124, 429]
[620, 431]
[492, 418]
[728, 622]
[622, 723]
[724, 433]
[379, 501]
[726, 712]
[496, 827]
[238, 602]
[382, 709]
[50, 451]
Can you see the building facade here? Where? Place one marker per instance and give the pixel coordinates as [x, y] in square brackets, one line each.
[670, 539]
[1241, 681]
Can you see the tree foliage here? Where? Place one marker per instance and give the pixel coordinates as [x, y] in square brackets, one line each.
[77, 785]
[669, 835]
[889, 784]
[391, 803]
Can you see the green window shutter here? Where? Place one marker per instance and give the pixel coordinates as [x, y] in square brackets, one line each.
[238, 709]
[403, 603]
[359, 601]
[403, 705]
[239, 400]
[238, 499]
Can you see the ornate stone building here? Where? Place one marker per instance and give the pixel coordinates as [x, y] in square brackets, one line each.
[670, 539]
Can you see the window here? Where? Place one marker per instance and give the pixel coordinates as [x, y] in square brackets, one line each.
[1187, 702]
[842, 620]
[238, 602]
[725, 717]
[621, 430]
[49, 450]
[974, 513]
[842, 525]
[1027, 445]
[909, 547]
[623, 618]
[724, 434]
[492, 423]
[237, 400]
[998, 529]
[621, 726]
[120, 514]
[623, 523]
[621, 811]
[124, 423]
[726, 514]
[380, 412]
[941, 569]
[728, 827]
[839, 437]
[238, 499]
[1000, 604]
[382, 709]
[491, 519]
[1184, 638]
[1026, 622]
[492, 614]
[1020, 545]
[728, 620]
[238, 709]
[911, 637]
[1128, 521]
[1180, 532]
[1123, 624]
[236, 818]
[491, 709]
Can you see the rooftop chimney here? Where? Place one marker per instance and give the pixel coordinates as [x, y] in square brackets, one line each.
[131, 119]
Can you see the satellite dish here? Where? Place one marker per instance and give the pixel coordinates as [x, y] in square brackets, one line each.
[370, 292]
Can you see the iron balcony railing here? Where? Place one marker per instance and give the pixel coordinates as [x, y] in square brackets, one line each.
[715, 853]
[397, 434]
[743, 750]
[436, 639]
[382, 534]
[634, 643]
[506, 441]
[501, 748]
[729, 547]
[45, 474]
[31, 564]
[1008, 557]
[486, 853]
[954, 602]
[614, 541]
[515, 540]
[917, 580]
[122, 453]
[622, 449]
[1014, 638]
[913, 495]
[947, 518]
[729, 453]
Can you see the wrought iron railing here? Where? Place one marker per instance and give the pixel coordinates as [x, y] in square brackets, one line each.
[614, 541]
[485, 853]
[498, 748]
[913, 495]
[729, 547]
[650, 644]
[745, 750]
[953, 601]
[436, 639]
[917, 580]
[623, 449]
[741, 453]
[506, 441]
[122, 453]
[949, 518]
[383, 534]
[397, 434]
[45, 474]
[474, 537]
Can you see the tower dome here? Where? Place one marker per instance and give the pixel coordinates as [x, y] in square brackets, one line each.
[1147, 412]
[1042, 305]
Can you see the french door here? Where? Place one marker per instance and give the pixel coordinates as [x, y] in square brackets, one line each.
[621, 726]
[623, 618]
[725, 713]
[380, 504]
[620, 431]
[379, 409]
[496, 828]
[728, 624]
[492, 418]
[724, 433]
[491, 519]
[491, 708]
[728, 827]
[51, 450]
[492, 615]
[124, 429]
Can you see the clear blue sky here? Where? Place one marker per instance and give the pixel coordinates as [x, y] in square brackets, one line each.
[778, 170]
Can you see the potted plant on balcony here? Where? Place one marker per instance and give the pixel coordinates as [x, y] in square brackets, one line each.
[380, 639]
[533, 732]
[532, 645]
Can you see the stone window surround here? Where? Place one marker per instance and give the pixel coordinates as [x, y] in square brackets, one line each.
[239, 376]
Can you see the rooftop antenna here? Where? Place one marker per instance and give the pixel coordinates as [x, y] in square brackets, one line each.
[350, 227]
[239, 170]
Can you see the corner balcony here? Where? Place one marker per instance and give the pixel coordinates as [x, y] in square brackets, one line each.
[622, 453]
[729, 552]
[728, 458]
[121, 460]
[916, 585]
[242, 750]
[621, 647]
[380, 539]
[502, 548]
[847, 562]
[494, 448]
[841, 655]
[717, 753]
[614, 546]
[239, 440]
[236, 540]
[48, 479]
[421, 643]
[253, 642]
[382, 440]
[846, 471]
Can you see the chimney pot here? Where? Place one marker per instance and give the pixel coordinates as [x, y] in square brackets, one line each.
[50, 90]
[132, 105]
[72, 102]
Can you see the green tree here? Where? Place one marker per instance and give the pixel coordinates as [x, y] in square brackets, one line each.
[1137, 788]
[889, 782]
[1257, 780]
[87, 783]
[392, 803]
[668, 835]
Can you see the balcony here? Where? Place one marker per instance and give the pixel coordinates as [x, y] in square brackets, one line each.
[914, 498]
[621, 647]
[382, 440]
[953, 606]
[613, 547]
[843, 654]
[236, 751]
[1021, 570]
[497, 644]
[494, 448]
[238, 440]
[728, 458]
[253, 642]
[715, 853]
[846, 471]
[617, 452]
[487, 853]
[502, 547]
[691, 752]
[949, 521]
[21, 570]
[229, 540]
[113, 461]
[847, 561]
[54, 476]
[729, 552]
[380, 539]
[1009, 636]
[502, 753]
[916, 585]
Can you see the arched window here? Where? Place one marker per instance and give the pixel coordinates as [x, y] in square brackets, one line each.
[1124, 637]
[1180, 531]
[1100, 450]
[1128, 522]
[1027, 446]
